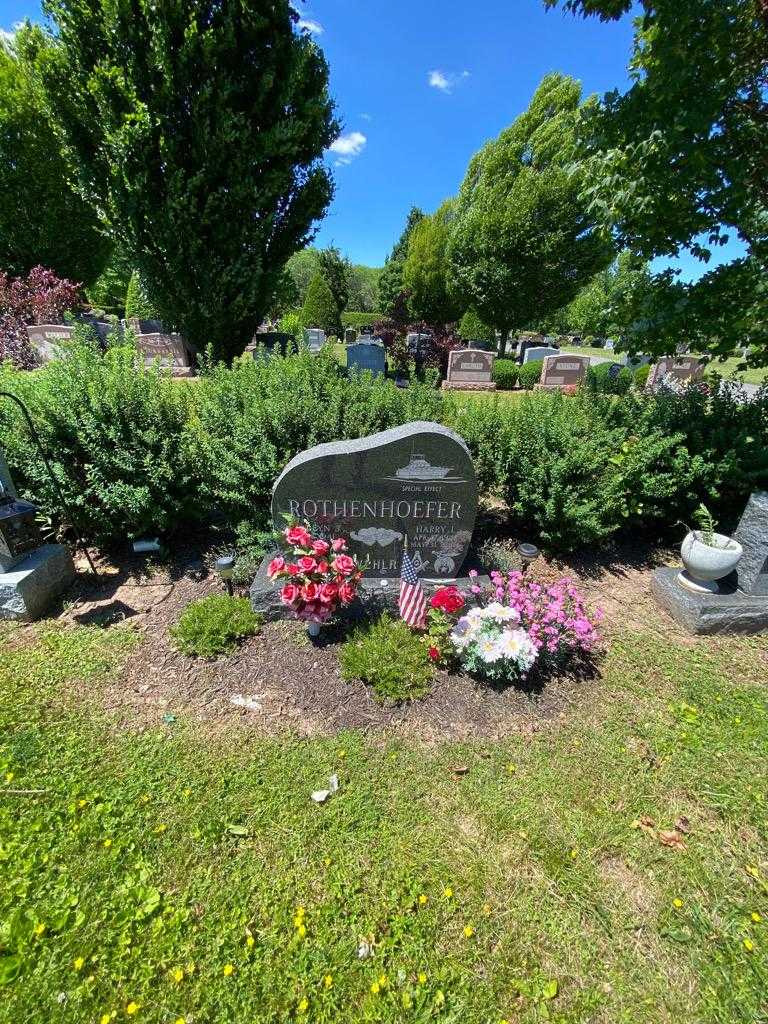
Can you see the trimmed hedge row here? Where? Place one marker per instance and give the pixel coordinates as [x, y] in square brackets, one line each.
[137, 453]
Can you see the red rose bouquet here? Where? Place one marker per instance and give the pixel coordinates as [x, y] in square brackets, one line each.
[319, 575]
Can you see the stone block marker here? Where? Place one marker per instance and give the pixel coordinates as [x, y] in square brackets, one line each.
[470, 369]
[535, 353]
[562, 371]
[741, 606]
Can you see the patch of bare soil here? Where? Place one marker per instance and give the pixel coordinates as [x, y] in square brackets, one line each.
[281, 681]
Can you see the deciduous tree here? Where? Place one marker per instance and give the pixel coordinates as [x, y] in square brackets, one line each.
[522, 243]
[196, 129]
[391, 280]
[425, 271]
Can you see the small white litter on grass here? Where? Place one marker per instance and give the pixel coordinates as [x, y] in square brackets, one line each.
[241, 701]
[321, 795]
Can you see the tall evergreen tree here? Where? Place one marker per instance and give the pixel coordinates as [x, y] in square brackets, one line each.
[196, 129]
[319, 309]
[425, 271]
[391, 280]
[335, 269]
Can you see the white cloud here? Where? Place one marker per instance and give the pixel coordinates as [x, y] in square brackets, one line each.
[311, 26]
[347, 147]
[446, 80]
[366, 117]
[7, 36]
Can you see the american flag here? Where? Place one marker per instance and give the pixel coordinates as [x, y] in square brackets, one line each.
[413, 600]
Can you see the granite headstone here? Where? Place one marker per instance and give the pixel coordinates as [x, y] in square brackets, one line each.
[675, 371]
[471, 370]
[367, 355]
[416, 481]
[563, 370]
[170, 350]
[535, 353]
[268, 343]
[314, 338]
[752, 534]
[45, 339]
[350, 336]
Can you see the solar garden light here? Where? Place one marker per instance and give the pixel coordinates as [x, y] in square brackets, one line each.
[225, 567]
[528, 553]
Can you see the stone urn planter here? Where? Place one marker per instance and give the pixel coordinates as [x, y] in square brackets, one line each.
[707, 557]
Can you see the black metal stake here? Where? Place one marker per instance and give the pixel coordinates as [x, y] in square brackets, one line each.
[36, 438]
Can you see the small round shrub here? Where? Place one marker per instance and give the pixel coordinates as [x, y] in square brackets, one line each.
[390, 658]
[215, 625]
[641, 376]
[600, 379]
[505, 373]
[472, 328]
[529, 374]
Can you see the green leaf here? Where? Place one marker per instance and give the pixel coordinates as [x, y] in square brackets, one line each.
[10, 968]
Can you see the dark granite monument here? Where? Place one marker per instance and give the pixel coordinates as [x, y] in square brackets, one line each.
[741, 604]
[266, 344]
[367, 355]
[470, 369]
[411, 485]
[45, 339]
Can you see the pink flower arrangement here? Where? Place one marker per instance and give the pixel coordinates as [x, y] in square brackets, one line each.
[318, 574]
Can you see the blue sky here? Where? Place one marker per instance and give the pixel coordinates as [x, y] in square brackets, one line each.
[420, 85]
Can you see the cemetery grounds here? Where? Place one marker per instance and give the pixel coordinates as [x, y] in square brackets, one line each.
[593, 852]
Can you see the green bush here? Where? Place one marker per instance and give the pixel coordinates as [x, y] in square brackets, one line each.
[215, 625]
[137, 302]
[389, 657]
[599, 379]
[116, 434]
[641, 376]
[529, 374]
[253, 418]
[360, 320]
[290, 323]
[505, 373]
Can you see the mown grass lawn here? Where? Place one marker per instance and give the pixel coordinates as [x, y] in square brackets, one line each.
[164, 876]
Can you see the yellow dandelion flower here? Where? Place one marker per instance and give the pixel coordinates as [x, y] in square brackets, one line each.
[511, 768]
[328, 981]
[161, 828]
[749, 945]
[105, 1018]
[300, 911]
[469, 931]
[756, 917]
[250, 941]
[79, 962]
[422, 899]
[132, 1008]
[383, 980]
[342, 753]
[301, 931]
[375, 988]
[422, 978]
[677, 903]
[439, 997]
[178, 974]
[9, 776]
[327, 862]
[107, 843]
[144, 798]
[228, 969]
[303, 1005]
[39, 928]
[81, 803]
[448, 892]
[752, 871]
[574, 854]
[180, 1020]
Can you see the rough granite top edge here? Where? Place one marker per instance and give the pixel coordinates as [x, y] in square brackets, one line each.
[362, 444]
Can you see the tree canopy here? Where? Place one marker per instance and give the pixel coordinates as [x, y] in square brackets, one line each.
[196, 130]
[391, 279]
[680, 163]
[42, 219]
[522, 243]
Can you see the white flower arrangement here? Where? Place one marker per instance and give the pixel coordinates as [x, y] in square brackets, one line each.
[490, 642]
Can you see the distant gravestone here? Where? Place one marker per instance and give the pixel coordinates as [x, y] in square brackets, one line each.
[170, 350]
[675, 371]
[367, 355]
[413, 482]
[563, 370]
[610, 344]
[470, 369]
[614, 370]
[138, 326]
[45, 339]
[417, 342]
[350, 336]
[752, 534]
[268, 343]
[535, 353]
[314, 338]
